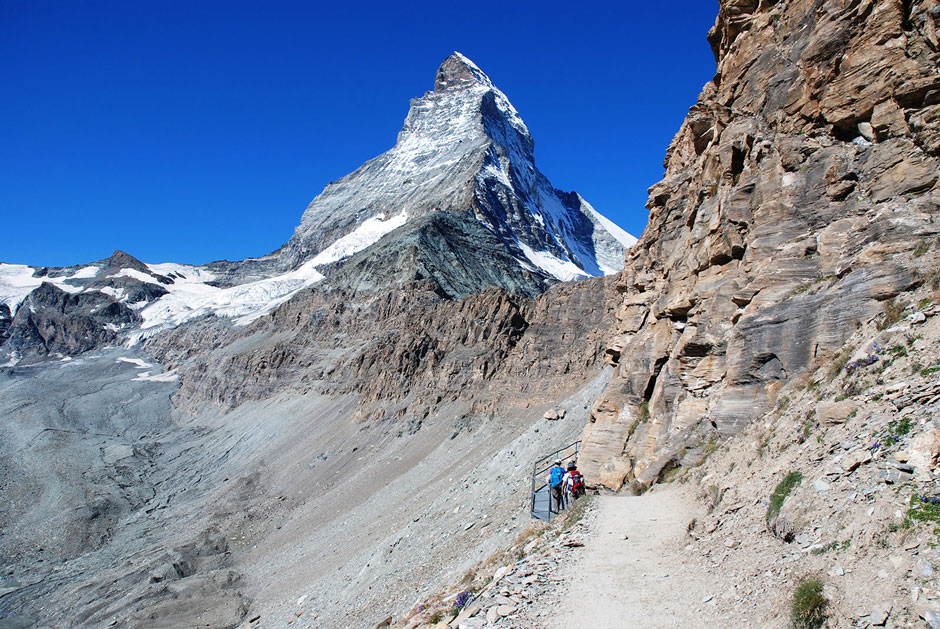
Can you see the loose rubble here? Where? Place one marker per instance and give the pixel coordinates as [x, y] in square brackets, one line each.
[518, 593]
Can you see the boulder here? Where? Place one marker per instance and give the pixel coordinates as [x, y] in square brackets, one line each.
[831, 413]
[925, 450]
[554, 414]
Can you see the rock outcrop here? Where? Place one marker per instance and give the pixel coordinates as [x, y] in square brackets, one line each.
[798, 196]
[52, 321]
[444, 247]
[77, 309]
[5, 320]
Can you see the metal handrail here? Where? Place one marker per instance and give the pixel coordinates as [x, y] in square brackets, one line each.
[543, 465]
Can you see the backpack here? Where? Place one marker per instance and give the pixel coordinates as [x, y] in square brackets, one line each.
[557, 475]
[577, 483]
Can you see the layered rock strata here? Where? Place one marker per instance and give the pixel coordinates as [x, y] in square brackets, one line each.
[796, 195]
[403, 353]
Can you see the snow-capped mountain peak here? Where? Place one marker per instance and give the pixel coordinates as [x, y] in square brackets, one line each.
[464, 148]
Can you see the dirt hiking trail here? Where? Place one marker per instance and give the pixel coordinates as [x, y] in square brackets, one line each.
[632, 571]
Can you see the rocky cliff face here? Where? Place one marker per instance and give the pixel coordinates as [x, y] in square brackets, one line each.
[799, 196]
[52, 321]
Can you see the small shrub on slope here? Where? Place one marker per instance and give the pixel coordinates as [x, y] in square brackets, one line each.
[892, 314]
[808, 609]
[924, 509]
[839, 361]
[780, 494]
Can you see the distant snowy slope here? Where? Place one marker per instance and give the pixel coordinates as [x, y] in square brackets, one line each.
[18, 280]
[191, 296]
[191, 292]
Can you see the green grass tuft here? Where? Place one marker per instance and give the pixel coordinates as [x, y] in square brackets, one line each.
[808, 609]
[924, 509]
[900, 427]
[780, 494]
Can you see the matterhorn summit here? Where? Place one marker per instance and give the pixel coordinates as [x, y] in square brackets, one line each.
[462, 152]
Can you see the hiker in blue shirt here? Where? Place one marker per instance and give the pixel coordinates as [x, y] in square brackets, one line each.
[554, 479]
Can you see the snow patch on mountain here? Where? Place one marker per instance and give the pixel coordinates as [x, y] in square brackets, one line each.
[147, 376]
[183, 271]
[138, 362]
[622, 236]
[368, 233]
[86, 272]
[118, 294]
[563, 270]
[18, 280]
[137, 275]
[190, 297]
[166, 376]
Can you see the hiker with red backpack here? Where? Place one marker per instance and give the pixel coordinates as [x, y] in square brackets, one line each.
[572, 483]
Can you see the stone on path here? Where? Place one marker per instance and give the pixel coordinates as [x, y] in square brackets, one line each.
[506, 610]
[879, 615]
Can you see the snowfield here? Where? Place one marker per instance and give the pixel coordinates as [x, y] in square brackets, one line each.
[563, 270]
[368, 233]
[190, 295]
[17, 281]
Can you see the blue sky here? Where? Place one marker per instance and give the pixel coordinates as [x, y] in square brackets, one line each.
[195, 131]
